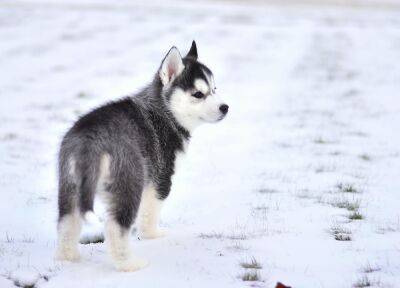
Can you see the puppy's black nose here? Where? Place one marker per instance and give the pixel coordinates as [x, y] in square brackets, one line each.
[224, 108]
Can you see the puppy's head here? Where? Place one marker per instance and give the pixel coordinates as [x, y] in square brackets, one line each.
[189, 89]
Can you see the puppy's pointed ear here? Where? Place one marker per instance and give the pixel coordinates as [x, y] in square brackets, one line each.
[171, 67]
[193, 51]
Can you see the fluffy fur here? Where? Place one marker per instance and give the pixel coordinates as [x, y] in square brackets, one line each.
[125, 151]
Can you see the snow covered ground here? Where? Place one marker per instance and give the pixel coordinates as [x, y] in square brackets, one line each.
[311, 144]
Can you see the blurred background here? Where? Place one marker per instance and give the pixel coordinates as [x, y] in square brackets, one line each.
[302, 175]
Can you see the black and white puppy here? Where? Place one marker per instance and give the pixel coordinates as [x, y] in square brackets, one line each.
[125, 152]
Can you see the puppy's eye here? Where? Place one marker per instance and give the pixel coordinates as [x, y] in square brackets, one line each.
[198, 95]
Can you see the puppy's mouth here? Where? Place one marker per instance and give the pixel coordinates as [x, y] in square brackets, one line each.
[221, 117]
[214, 120]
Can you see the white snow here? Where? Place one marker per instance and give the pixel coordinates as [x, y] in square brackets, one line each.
[314, 102]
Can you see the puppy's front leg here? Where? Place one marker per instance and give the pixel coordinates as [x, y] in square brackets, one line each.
[149, 214]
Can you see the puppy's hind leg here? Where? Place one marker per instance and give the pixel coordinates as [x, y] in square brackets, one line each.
[117, 239]
[69, 221]
[69, 228]
[123, 198]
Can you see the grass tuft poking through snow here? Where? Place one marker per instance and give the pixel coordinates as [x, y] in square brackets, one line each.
[237, 246]
[267, 191]
[363, 282]
[237, 236]
[320, 140]
[342, 237]
[340, 233]
[390, 227]
[81, 95]
[356, 216]
[252, 264]
[211, 235]
[251, 276]
[347, 188]
[346, 204]
[219, 236]
[365, 157]
[252, 267]
[9, 239]
[17, 284]
[370, 269]
[28, 240]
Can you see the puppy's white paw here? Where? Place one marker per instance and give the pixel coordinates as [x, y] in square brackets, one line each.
[131, 264]
[154, 233]
[71, 255]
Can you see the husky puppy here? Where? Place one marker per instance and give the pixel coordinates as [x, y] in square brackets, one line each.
[125, 152]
